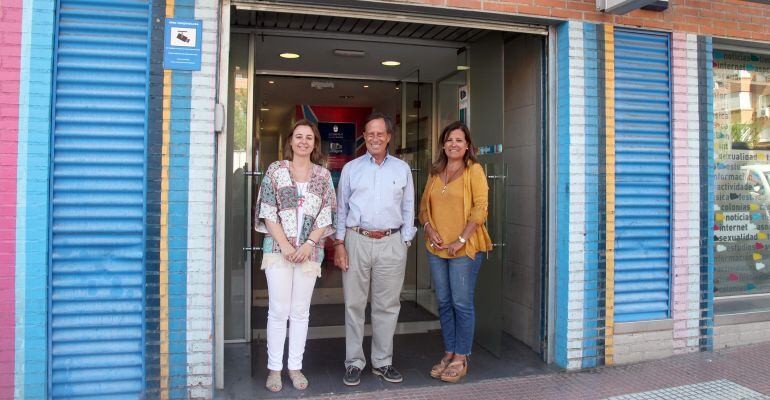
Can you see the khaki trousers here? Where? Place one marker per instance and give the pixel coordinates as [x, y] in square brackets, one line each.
[379, 263]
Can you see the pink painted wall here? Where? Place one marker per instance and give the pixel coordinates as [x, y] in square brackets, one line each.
[686, 251]
[10, 61]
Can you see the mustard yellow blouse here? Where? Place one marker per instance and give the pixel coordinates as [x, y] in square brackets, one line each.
[441, 211]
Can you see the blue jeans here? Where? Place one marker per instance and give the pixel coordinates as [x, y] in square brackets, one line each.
[454, 280]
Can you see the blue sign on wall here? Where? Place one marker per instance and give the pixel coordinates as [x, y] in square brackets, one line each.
[182, 48]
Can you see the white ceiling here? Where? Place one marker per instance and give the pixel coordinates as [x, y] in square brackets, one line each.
[317, 58]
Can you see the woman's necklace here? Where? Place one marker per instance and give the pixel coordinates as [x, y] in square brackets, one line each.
[447, 177]
[300, 178]
[296, 176]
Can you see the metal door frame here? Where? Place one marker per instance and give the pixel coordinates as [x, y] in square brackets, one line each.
[376, 11]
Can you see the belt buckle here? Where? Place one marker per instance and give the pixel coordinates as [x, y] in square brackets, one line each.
[364, 232]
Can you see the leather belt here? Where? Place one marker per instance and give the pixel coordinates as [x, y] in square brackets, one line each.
[374, 234]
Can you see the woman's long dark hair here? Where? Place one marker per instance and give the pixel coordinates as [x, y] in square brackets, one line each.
[316, 157]
[470, 155]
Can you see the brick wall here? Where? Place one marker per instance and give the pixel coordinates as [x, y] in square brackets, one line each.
[10, 59]
[741, 334]
[581, 292]
[180, 204]
[200, 224]
[728, 18]
[643, 346]
[34, 108]
[686, 160]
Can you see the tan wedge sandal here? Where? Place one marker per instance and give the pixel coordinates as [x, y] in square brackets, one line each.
[439, 368]
[298, 379]
[274, 383]
[455, 371]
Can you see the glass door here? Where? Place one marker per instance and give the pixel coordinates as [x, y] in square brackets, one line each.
[486, 115]
[239, 191]
[414, 145]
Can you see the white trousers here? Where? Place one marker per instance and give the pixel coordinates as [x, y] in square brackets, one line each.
[289, 292]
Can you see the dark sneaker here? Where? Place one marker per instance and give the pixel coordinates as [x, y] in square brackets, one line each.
[352, 376]
[388, 373]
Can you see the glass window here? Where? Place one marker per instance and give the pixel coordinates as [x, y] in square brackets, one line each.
[742, 153]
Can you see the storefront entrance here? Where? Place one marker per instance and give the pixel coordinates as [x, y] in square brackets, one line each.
[334, 70]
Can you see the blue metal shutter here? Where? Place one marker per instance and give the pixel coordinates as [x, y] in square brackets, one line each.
[642, 175]
[98, 201]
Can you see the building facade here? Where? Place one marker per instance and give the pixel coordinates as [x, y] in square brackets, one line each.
[654, 176]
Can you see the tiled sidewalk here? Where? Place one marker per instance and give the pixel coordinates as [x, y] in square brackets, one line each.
[747, 366]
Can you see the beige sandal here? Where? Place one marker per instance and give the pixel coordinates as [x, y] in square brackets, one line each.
[298, 379]
[274, 383]
[455, 371]
[439, 368]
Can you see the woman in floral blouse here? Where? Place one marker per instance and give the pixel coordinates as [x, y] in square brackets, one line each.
[296, 210]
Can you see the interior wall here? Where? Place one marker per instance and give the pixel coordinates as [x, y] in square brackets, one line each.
[523, 156]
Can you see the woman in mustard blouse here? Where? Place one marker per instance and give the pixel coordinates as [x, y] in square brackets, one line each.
[453, 210]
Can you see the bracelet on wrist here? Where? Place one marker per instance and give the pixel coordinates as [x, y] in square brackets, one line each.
[311, 241]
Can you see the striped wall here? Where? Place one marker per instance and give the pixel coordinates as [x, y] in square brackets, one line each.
[586, 198]
[579, 244]
[705, 92]
[180, 201]
[181, 214]
[10, 60]
[34, 121]
[179, 304]
[687, 188]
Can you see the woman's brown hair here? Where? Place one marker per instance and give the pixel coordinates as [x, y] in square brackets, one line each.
[470, 155]
[316, 157]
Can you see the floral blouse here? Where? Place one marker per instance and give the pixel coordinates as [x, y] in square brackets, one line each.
[278, 202]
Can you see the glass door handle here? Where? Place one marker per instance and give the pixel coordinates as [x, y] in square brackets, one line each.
[252, 173]
[252, 249]
[498, 245]
[416, 169]
[496, 176]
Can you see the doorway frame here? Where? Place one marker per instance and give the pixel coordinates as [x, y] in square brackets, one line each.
[381, 11]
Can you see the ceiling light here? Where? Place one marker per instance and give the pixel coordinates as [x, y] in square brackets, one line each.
[264, 109]
[366, 86]
[349, 53]
[390, 63]
[271, 82]
[463, 67]
[322, 85]
[289, 55]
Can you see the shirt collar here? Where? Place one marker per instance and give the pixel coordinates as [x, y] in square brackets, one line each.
[370, 157]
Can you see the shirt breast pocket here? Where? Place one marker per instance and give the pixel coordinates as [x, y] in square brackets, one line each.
[398, 185]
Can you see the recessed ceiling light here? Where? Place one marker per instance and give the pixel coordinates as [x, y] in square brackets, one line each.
[349, 53]
[463, 67]
[271, 82]
[390, 63]
[366, 86]
[397, 87]
[264, 109]
[289, 55]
